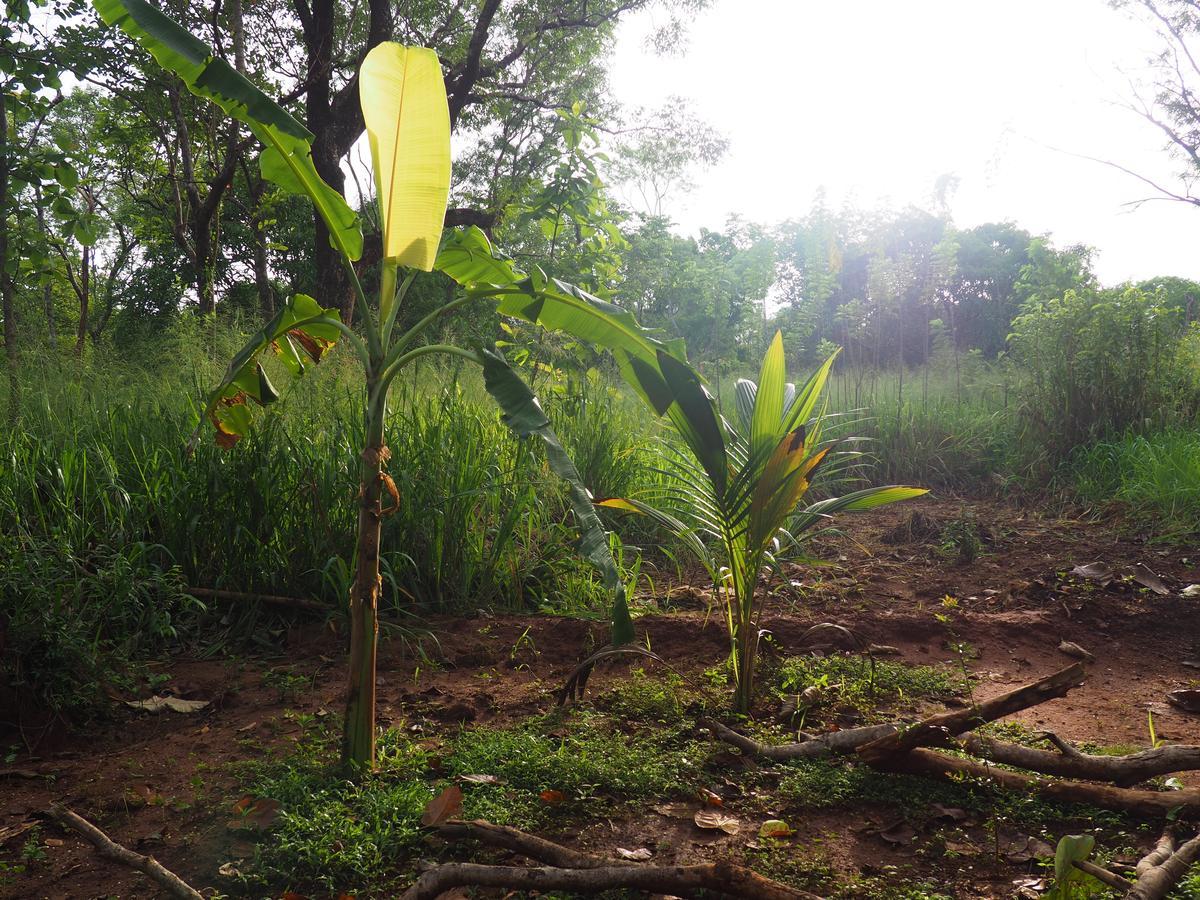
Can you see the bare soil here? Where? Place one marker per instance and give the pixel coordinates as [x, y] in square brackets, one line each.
[160, 784]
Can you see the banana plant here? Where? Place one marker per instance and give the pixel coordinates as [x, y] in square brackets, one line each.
[405, 109]
[734, 499]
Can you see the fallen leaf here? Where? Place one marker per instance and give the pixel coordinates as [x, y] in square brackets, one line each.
[1072, 649]
[1027, 849]
[1144, 576]
[292, 895]
[710, 799]
[1093, 572]
[175, 704]
[445, 805]
[639, 855]
[254, 813]
[1191, 591]
[713, 819]
[775, 828]
[229, 870]
[52, 842]
[549, 796]
[900, 833]
[248, 727]
[482, 779]
[948, 812]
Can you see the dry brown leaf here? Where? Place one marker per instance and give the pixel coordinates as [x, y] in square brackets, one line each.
[710, 799]
[549, 796]
[445, 805]
[175, 704]
[639, 855]
[1072, 649]
[713, 819]
[1147, 578]
[254, 813]
[482, 779]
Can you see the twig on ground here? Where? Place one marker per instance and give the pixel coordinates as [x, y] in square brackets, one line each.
[109, 849]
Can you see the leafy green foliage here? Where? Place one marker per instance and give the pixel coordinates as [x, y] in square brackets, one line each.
[864, 684]
[346, 835]
[735, 503]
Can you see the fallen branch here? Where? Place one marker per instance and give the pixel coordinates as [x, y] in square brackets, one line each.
[270, 599]
[834, 743]
[680, 881]
[1158, 880]
[528, 845]
[1158, 872]
[106, 847]
[1105, 796]
[1102, 874]
[938, 728]
[1068, 762]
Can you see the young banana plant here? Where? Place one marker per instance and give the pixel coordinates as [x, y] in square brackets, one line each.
[407, 120]
[737, 500]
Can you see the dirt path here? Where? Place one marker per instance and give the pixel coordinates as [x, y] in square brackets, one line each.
[160, 784]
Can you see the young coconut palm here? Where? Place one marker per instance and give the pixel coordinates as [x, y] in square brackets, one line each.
[736, 502]
[405, 109]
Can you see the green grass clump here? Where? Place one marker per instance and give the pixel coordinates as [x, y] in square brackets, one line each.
[349, 835]
[865, 686]
[1156, 477]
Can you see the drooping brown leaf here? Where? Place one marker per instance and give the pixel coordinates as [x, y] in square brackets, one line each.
[710, 799]
[444, 806]
[550, 796]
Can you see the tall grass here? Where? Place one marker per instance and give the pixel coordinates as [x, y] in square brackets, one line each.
[95, 485]
[1155, 476]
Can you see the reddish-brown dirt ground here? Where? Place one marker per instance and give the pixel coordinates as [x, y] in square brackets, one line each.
[1012, 606]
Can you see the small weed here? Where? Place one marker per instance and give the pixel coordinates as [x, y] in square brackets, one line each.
[289, 683]
[960, 541]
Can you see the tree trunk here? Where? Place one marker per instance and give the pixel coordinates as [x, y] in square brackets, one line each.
[358, 736]
[85, 290]
[7, 306]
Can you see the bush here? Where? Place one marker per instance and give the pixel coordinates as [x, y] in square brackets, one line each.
[1096, 363]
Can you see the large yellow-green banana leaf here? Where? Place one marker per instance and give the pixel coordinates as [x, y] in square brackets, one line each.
[403, 99]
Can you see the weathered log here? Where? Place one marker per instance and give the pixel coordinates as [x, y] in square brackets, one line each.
[679, 881]
[938, 728]
[109, 849]
[1105, 796]
[1068, 762]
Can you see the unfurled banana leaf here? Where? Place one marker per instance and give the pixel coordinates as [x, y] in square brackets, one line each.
[407, 116]
[300, 330]
[287, 159]
[469, 258]
[523, 414]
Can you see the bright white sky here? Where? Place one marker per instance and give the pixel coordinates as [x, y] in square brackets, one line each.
[874, 99]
